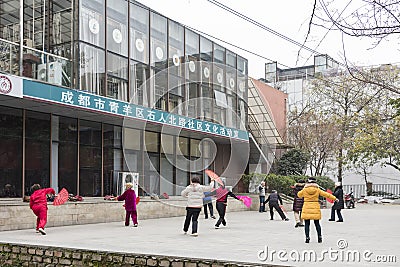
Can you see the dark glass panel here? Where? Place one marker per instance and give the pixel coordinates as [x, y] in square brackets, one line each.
[37, 146]
[68, 154]
[10, 152]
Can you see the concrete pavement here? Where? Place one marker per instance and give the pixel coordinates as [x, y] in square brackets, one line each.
[369, 229]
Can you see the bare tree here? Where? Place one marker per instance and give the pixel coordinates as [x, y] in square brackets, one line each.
[377, 20]
[315, 133]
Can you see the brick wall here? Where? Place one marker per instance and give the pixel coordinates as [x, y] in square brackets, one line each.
[13, 255]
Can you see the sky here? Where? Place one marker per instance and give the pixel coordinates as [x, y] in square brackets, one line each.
[287, 17]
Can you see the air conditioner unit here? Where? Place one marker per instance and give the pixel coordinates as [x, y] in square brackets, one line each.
[127, 177]
[28, 43]
[53, 71]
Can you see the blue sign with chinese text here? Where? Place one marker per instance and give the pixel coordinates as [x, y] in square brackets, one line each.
[81, 99]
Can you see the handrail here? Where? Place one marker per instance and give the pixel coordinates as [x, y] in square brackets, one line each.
[35, 50]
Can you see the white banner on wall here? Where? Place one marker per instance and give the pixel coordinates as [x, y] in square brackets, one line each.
[11, 85]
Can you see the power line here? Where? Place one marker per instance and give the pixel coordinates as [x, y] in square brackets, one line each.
[262, 26]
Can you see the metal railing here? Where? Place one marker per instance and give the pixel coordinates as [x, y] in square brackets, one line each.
[383, 190]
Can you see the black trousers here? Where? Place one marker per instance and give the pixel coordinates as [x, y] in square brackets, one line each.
[262, 205]
[221, 208]
[307, 228]
[191, 214]
[339, 214]
[210, 206]
[278, 209]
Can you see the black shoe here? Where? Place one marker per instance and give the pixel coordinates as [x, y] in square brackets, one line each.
[272, 219]
[339, 221]
[331, 220]
[297, 225]
[301, 225]
[307, 240]
[320, 239]
[213, 217]
[286, 219]
[206, 218]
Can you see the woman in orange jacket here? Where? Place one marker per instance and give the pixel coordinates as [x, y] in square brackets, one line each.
[311, 208]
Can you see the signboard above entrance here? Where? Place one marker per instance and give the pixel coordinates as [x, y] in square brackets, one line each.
[84, 100]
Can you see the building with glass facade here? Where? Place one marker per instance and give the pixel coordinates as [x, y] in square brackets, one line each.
[90, 89]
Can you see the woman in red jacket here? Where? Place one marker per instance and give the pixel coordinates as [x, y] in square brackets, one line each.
[38, 204]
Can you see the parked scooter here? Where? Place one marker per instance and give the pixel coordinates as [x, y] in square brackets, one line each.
[349, 200]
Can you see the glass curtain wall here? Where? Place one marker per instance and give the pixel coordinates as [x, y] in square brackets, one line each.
[117, 49]
[167, 164]
[206, 56]
[90, 158]
[192, 73]
[231, 92]
[176, 92]
[132, 144]
[158, 61]
[10, 152]
[91, 53]
[112, 157]
[37, 146]
[182, 164]
[220, 103]
[242, 72]
[196, 164]
[67, 154]
[10, 33]
[150, 182]
[139, 53]
[47, 34]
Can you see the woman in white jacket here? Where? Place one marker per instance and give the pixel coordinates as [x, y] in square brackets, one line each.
[195, 194]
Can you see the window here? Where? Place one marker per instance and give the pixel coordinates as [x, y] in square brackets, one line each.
[117, 84]
[92, 21]
[117, 29]
[158, 40]
[176, 94]
[220, 99]
[176, 47]
[139, 84]
[139, 33]
[92, 69]
[192, 55]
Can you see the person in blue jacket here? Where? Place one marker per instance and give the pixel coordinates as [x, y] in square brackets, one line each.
[207, 202]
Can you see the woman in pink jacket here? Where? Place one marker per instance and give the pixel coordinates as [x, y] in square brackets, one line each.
[38, 204]
[130, 204]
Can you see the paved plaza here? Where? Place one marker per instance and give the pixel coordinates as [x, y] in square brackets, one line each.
[370, 230]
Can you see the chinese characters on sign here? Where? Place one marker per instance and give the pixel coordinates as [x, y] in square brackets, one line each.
[97, 103]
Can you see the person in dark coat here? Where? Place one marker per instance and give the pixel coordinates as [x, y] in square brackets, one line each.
[298, 203]
[339, 205]
[273, 199]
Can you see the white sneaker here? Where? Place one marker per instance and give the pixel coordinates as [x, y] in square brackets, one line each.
[194, 234]
[41, 230]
